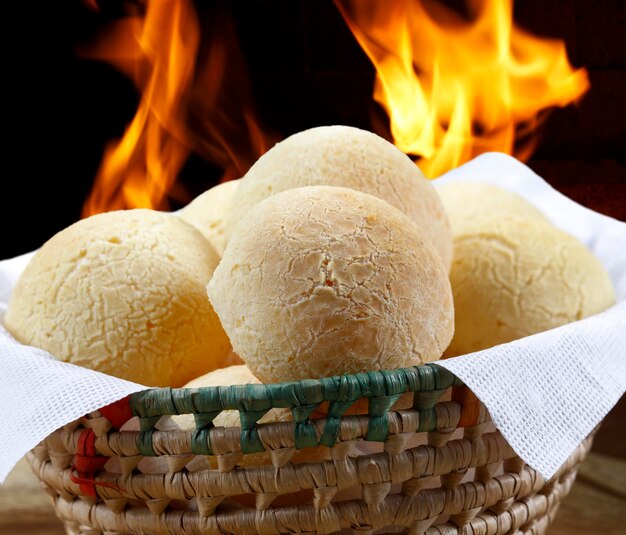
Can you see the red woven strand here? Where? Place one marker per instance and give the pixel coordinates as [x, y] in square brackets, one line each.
[88, 484]
[118, 413]
[86, 463]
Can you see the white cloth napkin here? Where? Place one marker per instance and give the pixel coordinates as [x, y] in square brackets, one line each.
[545, 392]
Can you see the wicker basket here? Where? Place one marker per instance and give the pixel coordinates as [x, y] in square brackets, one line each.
[439, 467]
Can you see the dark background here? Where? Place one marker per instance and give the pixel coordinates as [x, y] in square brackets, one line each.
[306, 70]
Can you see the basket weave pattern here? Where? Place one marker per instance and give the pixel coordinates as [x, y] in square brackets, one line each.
[438, 467]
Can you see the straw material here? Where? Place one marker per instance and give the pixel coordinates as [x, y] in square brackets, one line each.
[439, 467]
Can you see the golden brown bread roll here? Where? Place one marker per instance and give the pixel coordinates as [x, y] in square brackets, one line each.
[467, 202]
[352, 158]
[232, 359]
[208, 212]
[321, 281]
[123, 293]
[513, 277]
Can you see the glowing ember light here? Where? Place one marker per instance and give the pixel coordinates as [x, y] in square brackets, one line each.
[182, 107]
[454, 88]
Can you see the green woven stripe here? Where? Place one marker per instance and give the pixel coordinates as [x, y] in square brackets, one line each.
[428, 420]
[336, 410]
[305, 435]
[426, 400]
[304, 430]
[163, 401]
[444, 378]
[183, 403]
[147, 424]
[201, 442]
[153, 402]
[144, 444]
[204, 420]
[378, 428]
[383, 388]
[250, 440]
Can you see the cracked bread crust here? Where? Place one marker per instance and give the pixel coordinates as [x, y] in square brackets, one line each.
[208, 212]
[352, 158]
[320, 281]
[123, 293]
[476, 201]
[513, 277]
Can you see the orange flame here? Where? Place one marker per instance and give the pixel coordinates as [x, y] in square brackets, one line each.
[181, 109]
[454, 88]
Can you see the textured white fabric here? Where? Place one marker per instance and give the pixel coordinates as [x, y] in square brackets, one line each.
[38, 393]
[545, 392]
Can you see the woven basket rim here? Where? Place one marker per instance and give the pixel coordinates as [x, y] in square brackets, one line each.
[346, 388]
[382, 388]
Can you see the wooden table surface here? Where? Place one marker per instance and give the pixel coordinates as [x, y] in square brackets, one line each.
[595, 506]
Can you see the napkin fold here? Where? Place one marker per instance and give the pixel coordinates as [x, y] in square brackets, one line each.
[545, 392]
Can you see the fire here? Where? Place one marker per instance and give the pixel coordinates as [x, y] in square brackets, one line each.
[455, 88]
[183, 106]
